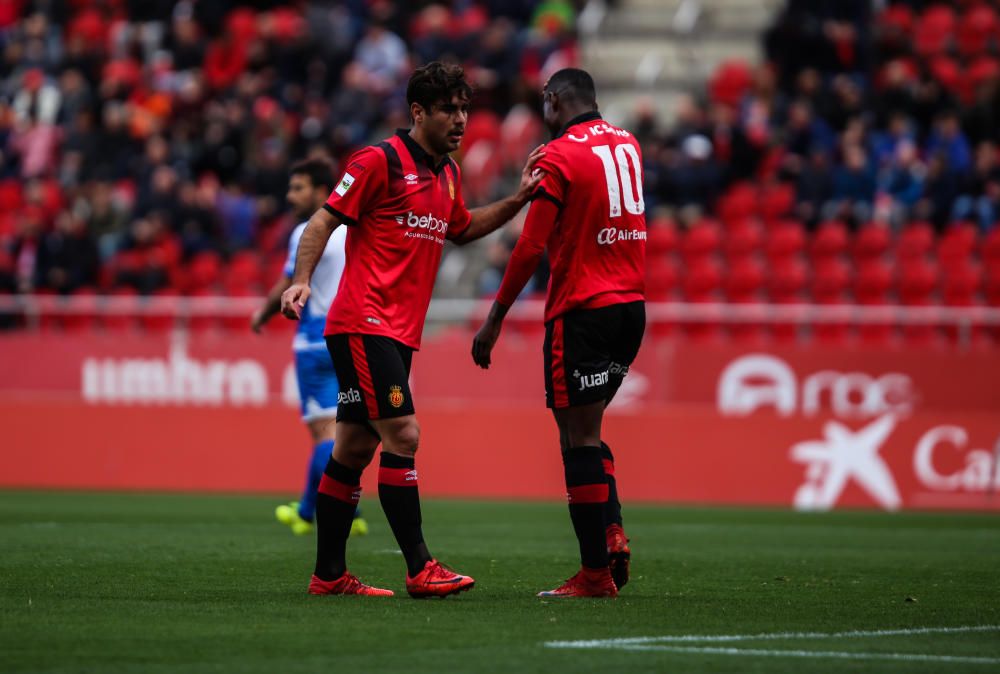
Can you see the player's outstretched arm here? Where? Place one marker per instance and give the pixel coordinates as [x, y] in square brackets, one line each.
[542, 217]
[488, 218]
[311, 247]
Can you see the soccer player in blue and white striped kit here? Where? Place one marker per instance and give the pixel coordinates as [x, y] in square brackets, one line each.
[309, 185]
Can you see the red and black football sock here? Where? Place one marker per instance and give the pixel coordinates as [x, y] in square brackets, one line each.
[397, 491]
[587, 492]
[613, 508]
[336, 500]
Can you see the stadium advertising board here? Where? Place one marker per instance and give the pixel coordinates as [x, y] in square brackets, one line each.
[808, 427]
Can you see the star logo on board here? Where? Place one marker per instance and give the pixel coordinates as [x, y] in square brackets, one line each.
[844, 455]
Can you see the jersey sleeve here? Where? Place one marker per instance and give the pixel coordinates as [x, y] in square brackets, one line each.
[555, 166]
[538, 227]
[293, 250]
[460, 218]
[360, 187]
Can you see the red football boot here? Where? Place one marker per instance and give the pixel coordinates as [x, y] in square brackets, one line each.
[619, 554]
[346, 584]
[437, 580]
[586, 583]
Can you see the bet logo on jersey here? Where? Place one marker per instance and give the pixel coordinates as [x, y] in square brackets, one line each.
[396, 396]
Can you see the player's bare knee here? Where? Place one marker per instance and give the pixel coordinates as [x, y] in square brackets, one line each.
[404, 440]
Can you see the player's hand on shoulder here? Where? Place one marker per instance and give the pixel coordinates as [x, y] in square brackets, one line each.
[293, 299]
[530, 175]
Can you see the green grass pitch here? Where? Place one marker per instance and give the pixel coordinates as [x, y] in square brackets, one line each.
[178, 583]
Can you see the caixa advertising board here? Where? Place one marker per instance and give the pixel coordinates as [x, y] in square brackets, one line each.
[806, 427]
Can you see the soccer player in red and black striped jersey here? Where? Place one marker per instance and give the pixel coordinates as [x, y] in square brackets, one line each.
[401, 200]
[589, 211]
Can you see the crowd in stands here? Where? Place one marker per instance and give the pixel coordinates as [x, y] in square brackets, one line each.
[887, 117]
[859, 162]
[144, 144]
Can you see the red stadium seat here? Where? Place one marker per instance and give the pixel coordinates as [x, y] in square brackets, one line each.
[961, 284]
[957, 245]
[744, 284]
[829, 240]
[785, 285]
[947, 72]
[915, 286]
[983, 70]
[871, 287]
[776, 201]
[933, 30]
[701, 240]
[975, 29]
[242, 273]
[483, 125]
[830, 281]
[743, 239]
[896, 17]
[702, 283]
[662, 238]
[990, 250]
[871, 242]
[737, 203]
[744, 281]
[730, 82]
[661, 278]
[915, 241]
[203, 271]
[786, 239]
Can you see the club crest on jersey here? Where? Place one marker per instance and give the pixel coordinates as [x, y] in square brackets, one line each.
[396, 396]
[451, 188]
[344, 185]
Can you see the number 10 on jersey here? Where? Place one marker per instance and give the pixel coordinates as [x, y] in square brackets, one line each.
[623, 191]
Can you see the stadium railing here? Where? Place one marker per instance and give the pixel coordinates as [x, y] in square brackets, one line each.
[963, 321]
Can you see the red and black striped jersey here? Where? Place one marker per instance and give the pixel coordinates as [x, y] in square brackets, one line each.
[400, 208]
[596, 234]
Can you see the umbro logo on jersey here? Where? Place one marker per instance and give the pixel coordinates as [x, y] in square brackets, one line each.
[410, 178]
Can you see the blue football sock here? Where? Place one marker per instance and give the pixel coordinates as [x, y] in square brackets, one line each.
[320, 457]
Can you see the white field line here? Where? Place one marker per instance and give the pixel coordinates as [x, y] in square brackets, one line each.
[842, 655]
[709, 638]
[661, 644]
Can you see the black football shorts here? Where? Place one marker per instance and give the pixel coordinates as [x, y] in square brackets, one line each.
[374, 375]
[588, 353]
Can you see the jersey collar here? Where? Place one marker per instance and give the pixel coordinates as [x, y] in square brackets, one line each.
[579, 119]
[418, 153]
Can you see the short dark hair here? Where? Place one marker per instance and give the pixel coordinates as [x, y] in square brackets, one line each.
[319, 171]
[573, 83]
[436, 83]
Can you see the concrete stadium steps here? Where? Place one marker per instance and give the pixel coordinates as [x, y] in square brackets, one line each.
[642, 17]
[638, 52]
